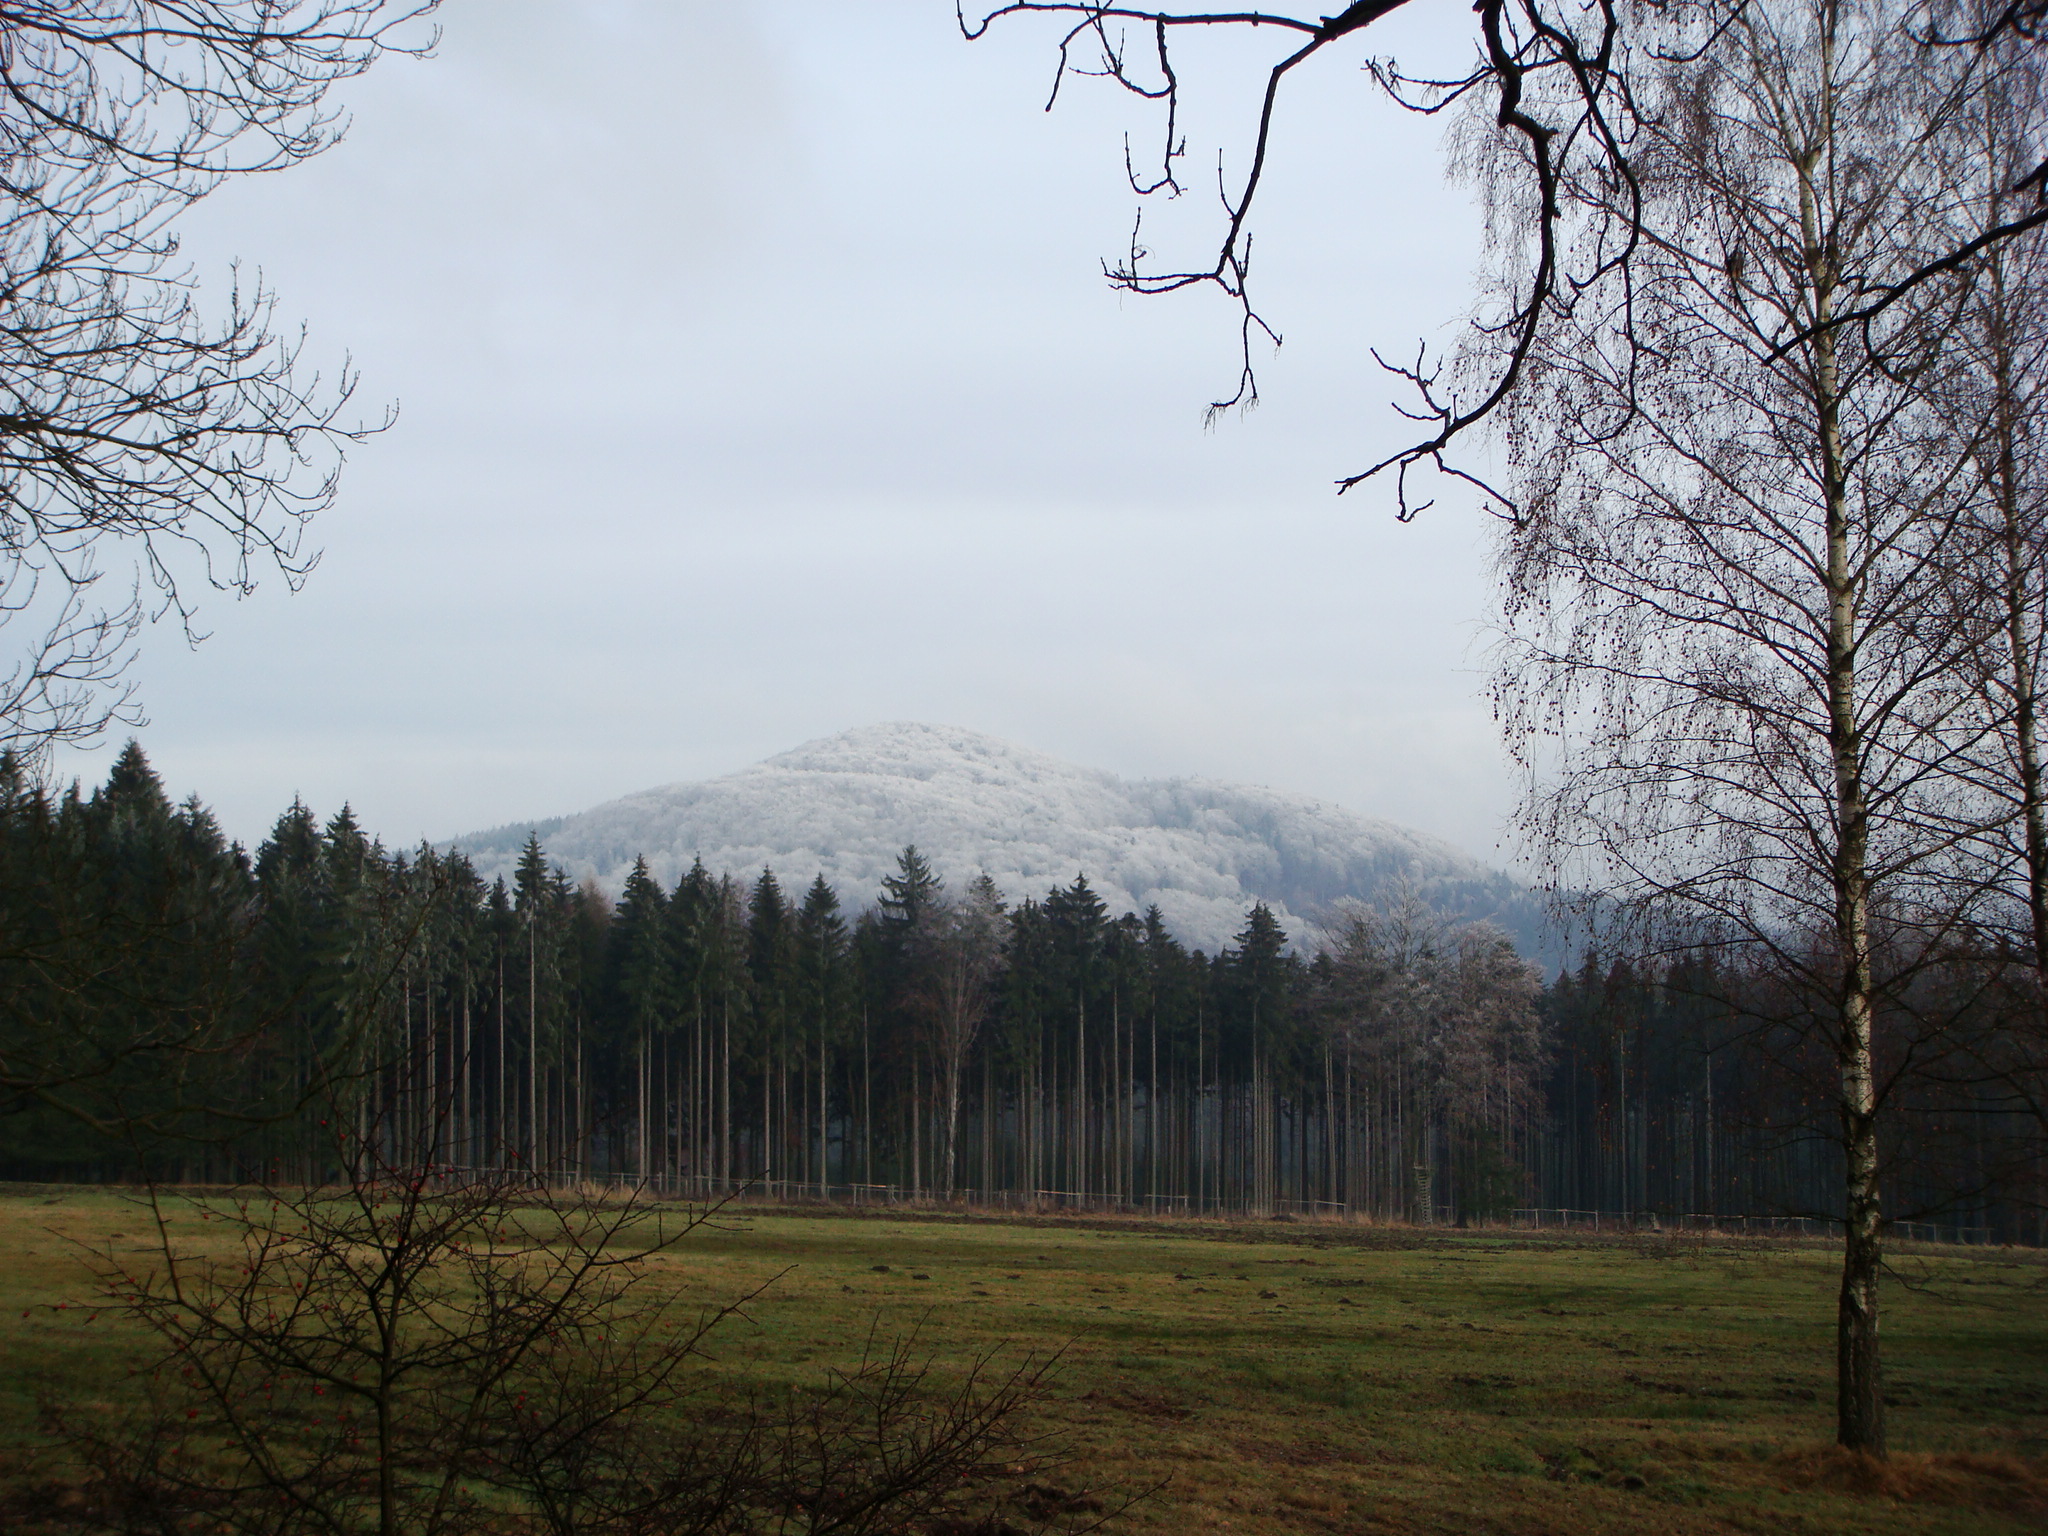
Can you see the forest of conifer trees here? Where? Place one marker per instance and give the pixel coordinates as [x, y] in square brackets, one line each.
[179, 1008]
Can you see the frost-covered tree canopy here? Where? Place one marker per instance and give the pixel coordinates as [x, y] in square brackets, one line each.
[846, 805]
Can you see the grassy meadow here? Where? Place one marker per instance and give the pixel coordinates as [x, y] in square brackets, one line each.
[1303, 1377]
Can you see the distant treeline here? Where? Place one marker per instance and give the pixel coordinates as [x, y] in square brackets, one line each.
[178, 1008]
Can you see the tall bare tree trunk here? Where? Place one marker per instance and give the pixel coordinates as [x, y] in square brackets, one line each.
[498, 1106]
[949, 1125]
[463, 1129]
[1859, 1395]
[533, 1043]
[725, 1097]
[1078, 1136]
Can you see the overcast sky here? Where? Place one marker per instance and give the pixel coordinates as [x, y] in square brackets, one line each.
[758, 380]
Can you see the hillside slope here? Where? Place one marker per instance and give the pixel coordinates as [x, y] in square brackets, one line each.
[845, 805]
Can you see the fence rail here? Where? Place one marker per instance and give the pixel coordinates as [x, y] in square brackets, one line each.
[1067, 1201]
[1782, 1226]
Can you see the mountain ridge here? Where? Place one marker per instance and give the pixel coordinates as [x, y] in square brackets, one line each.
[845, 805]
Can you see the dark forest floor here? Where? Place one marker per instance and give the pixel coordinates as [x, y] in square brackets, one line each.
[1304, 1377]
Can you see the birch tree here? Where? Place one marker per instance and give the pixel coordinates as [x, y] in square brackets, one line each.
[1993, 399]
[1726, 659]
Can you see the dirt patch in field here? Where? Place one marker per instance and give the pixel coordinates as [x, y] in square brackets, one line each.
[1295, 1453]
[1145, 1405]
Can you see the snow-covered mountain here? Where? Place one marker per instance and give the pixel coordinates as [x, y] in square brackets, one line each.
[846, 805]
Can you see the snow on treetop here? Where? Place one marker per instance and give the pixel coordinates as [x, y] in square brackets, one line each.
[845, 805]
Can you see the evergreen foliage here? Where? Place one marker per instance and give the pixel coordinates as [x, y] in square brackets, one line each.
[175, 1007]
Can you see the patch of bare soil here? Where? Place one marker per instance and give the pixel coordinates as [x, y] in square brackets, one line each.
[1145, 1405]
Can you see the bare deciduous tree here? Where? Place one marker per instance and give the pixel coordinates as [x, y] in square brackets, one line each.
[1563, 79]
[1551, 76]
[960, 951]
[426, 1350]
[1729, 663]
[1993, 393]
[1442, 1017]
[145, 442]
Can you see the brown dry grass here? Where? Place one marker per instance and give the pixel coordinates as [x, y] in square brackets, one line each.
[1397, 1383]
[1961, 1479]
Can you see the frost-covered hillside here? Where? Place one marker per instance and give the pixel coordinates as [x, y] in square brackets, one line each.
[847, 804]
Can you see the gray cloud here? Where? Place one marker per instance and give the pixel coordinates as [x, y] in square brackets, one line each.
[758, 382]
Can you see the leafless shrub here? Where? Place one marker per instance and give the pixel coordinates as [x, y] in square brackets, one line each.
[436, 1351]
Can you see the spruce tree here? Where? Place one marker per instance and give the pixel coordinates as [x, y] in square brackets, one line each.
[909, 893]
[643, 973]
[532, 892]
[124, 1022]
[823, 985]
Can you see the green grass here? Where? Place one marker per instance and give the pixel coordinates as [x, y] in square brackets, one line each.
[1282, 1377]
